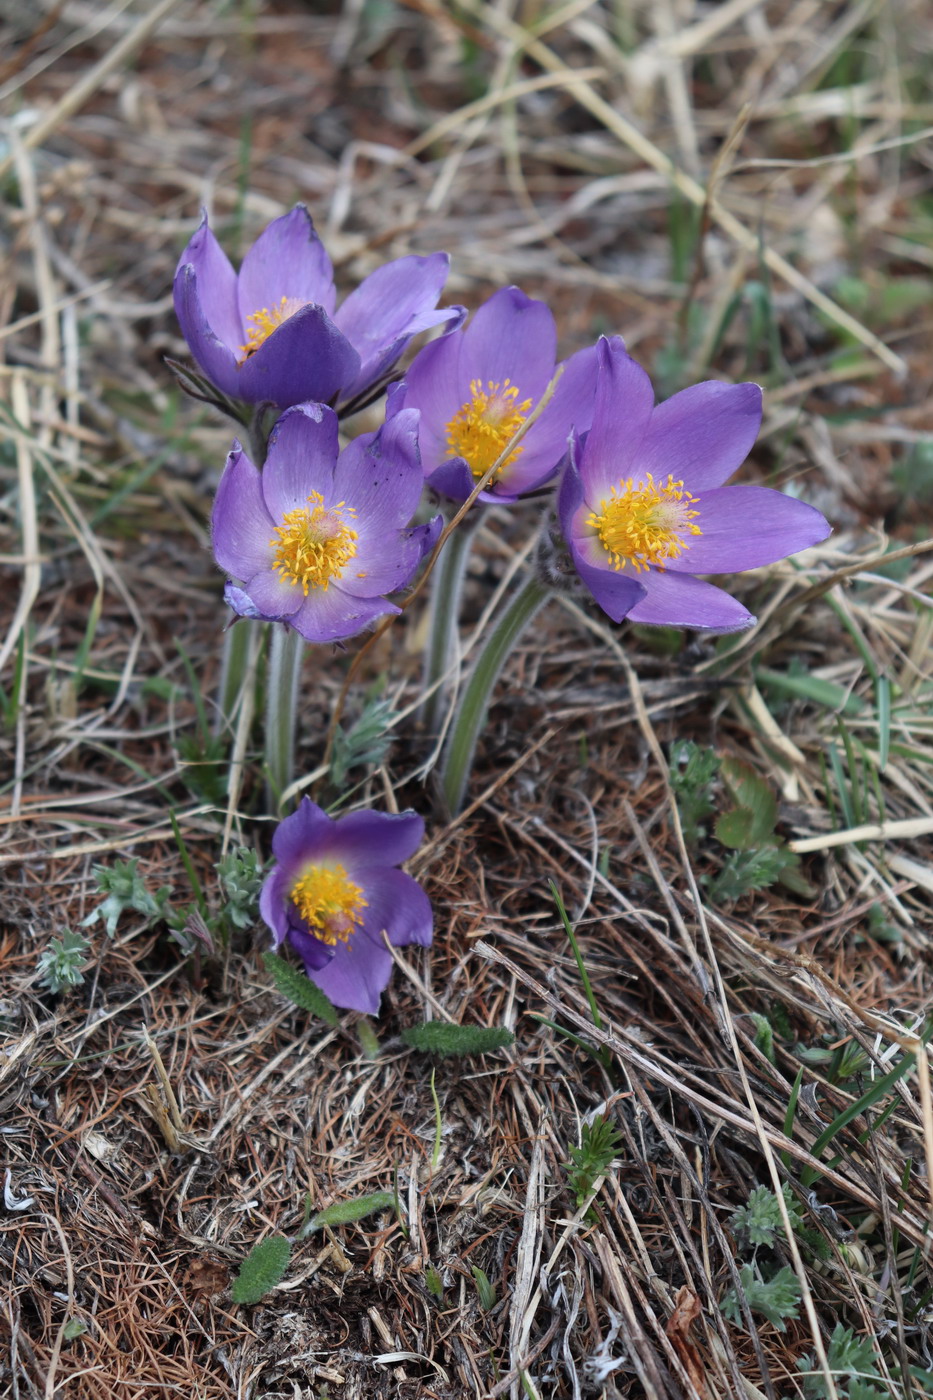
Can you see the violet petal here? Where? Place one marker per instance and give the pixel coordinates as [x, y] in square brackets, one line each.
[300, 835]
[701, 435]
[545, 444]
[240, 524]
[357, 974]
[287, 260]
[360, 838]
[383, 566]
[745, 527]
[216, 359]
[305, 358]
[302, 451]
[273, 899]
[313, 953]
[680, 600]
[330, 615]
[570, 498]
[389, 306]
[621, 414]
[433, 385]
[616, 591]
[380, 475]
[242, 604]
[396, 905]
[511, 336]
[276, 598]
[453, 478]
[216, 286]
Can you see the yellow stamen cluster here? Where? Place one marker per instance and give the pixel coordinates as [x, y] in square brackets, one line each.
[314, 543]
[327, 899]
[645, 523]
[264, 322]
[481, 427]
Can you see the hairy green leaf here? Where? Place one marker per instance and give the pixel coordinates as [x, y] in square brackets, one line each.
[262, 1269]
[777, 1299]
[299, 989]
[346, 1212]
[441, 1038]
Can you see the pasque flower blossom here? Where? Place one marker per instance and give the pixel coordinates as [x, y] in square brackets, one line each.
[475, 387]
[642, 500]
[316, 539]
[335, 894]
[270, 334]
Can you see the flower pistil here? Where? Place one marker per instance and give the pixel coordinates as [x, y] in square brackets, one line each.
[482, 426]
[314, 543]
[329, 902]
[645, 523]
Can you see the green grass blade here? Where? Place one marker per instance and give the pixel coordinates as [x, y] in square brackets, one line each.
[883, 704]
[581, 966]
[856, 1109]
[791, 1114]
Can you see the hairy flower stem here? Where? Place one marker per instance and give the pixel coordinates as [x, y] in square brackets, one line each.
[281, 704]
[235, 666]
[446, 587]
[471, 711]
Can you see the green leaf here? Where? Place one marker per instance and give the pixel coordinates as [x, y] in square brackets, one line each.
[600, 1143]
[760, 1219]
[693, 773]
[733, 828]
[751, 792]
[442, 1038]
[434, 1283]
[485, 1291]
[846, 1355]
[346, 1212]
[365, 744]
[776, 1299]
[240, 874]
[745, 871]
[764, 1036]
[60, 962]
[262, 1269]
[125, 888]
[299, 989]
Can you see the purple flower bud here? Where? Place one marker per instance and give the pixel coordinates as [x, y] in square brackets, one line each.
[335, 895]
[318, 536]
[643, 508]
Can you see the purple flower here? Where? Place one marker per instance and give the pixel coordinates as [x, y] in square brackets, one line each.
[642, 500]
[317, 538]
[474, 388]
[335, 891]
[271, 334]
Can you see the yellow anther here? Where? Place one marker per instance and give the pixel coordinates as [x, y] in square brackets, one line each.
[481, 428]
[645, 523]
[264, 322]
[327, 899]
[314, 544]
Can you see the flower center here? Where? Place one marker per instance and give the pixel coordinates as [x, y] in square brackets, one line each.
[314, 543]
[481, 427]
[261, 324]
[327, 899]
[645, 523]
